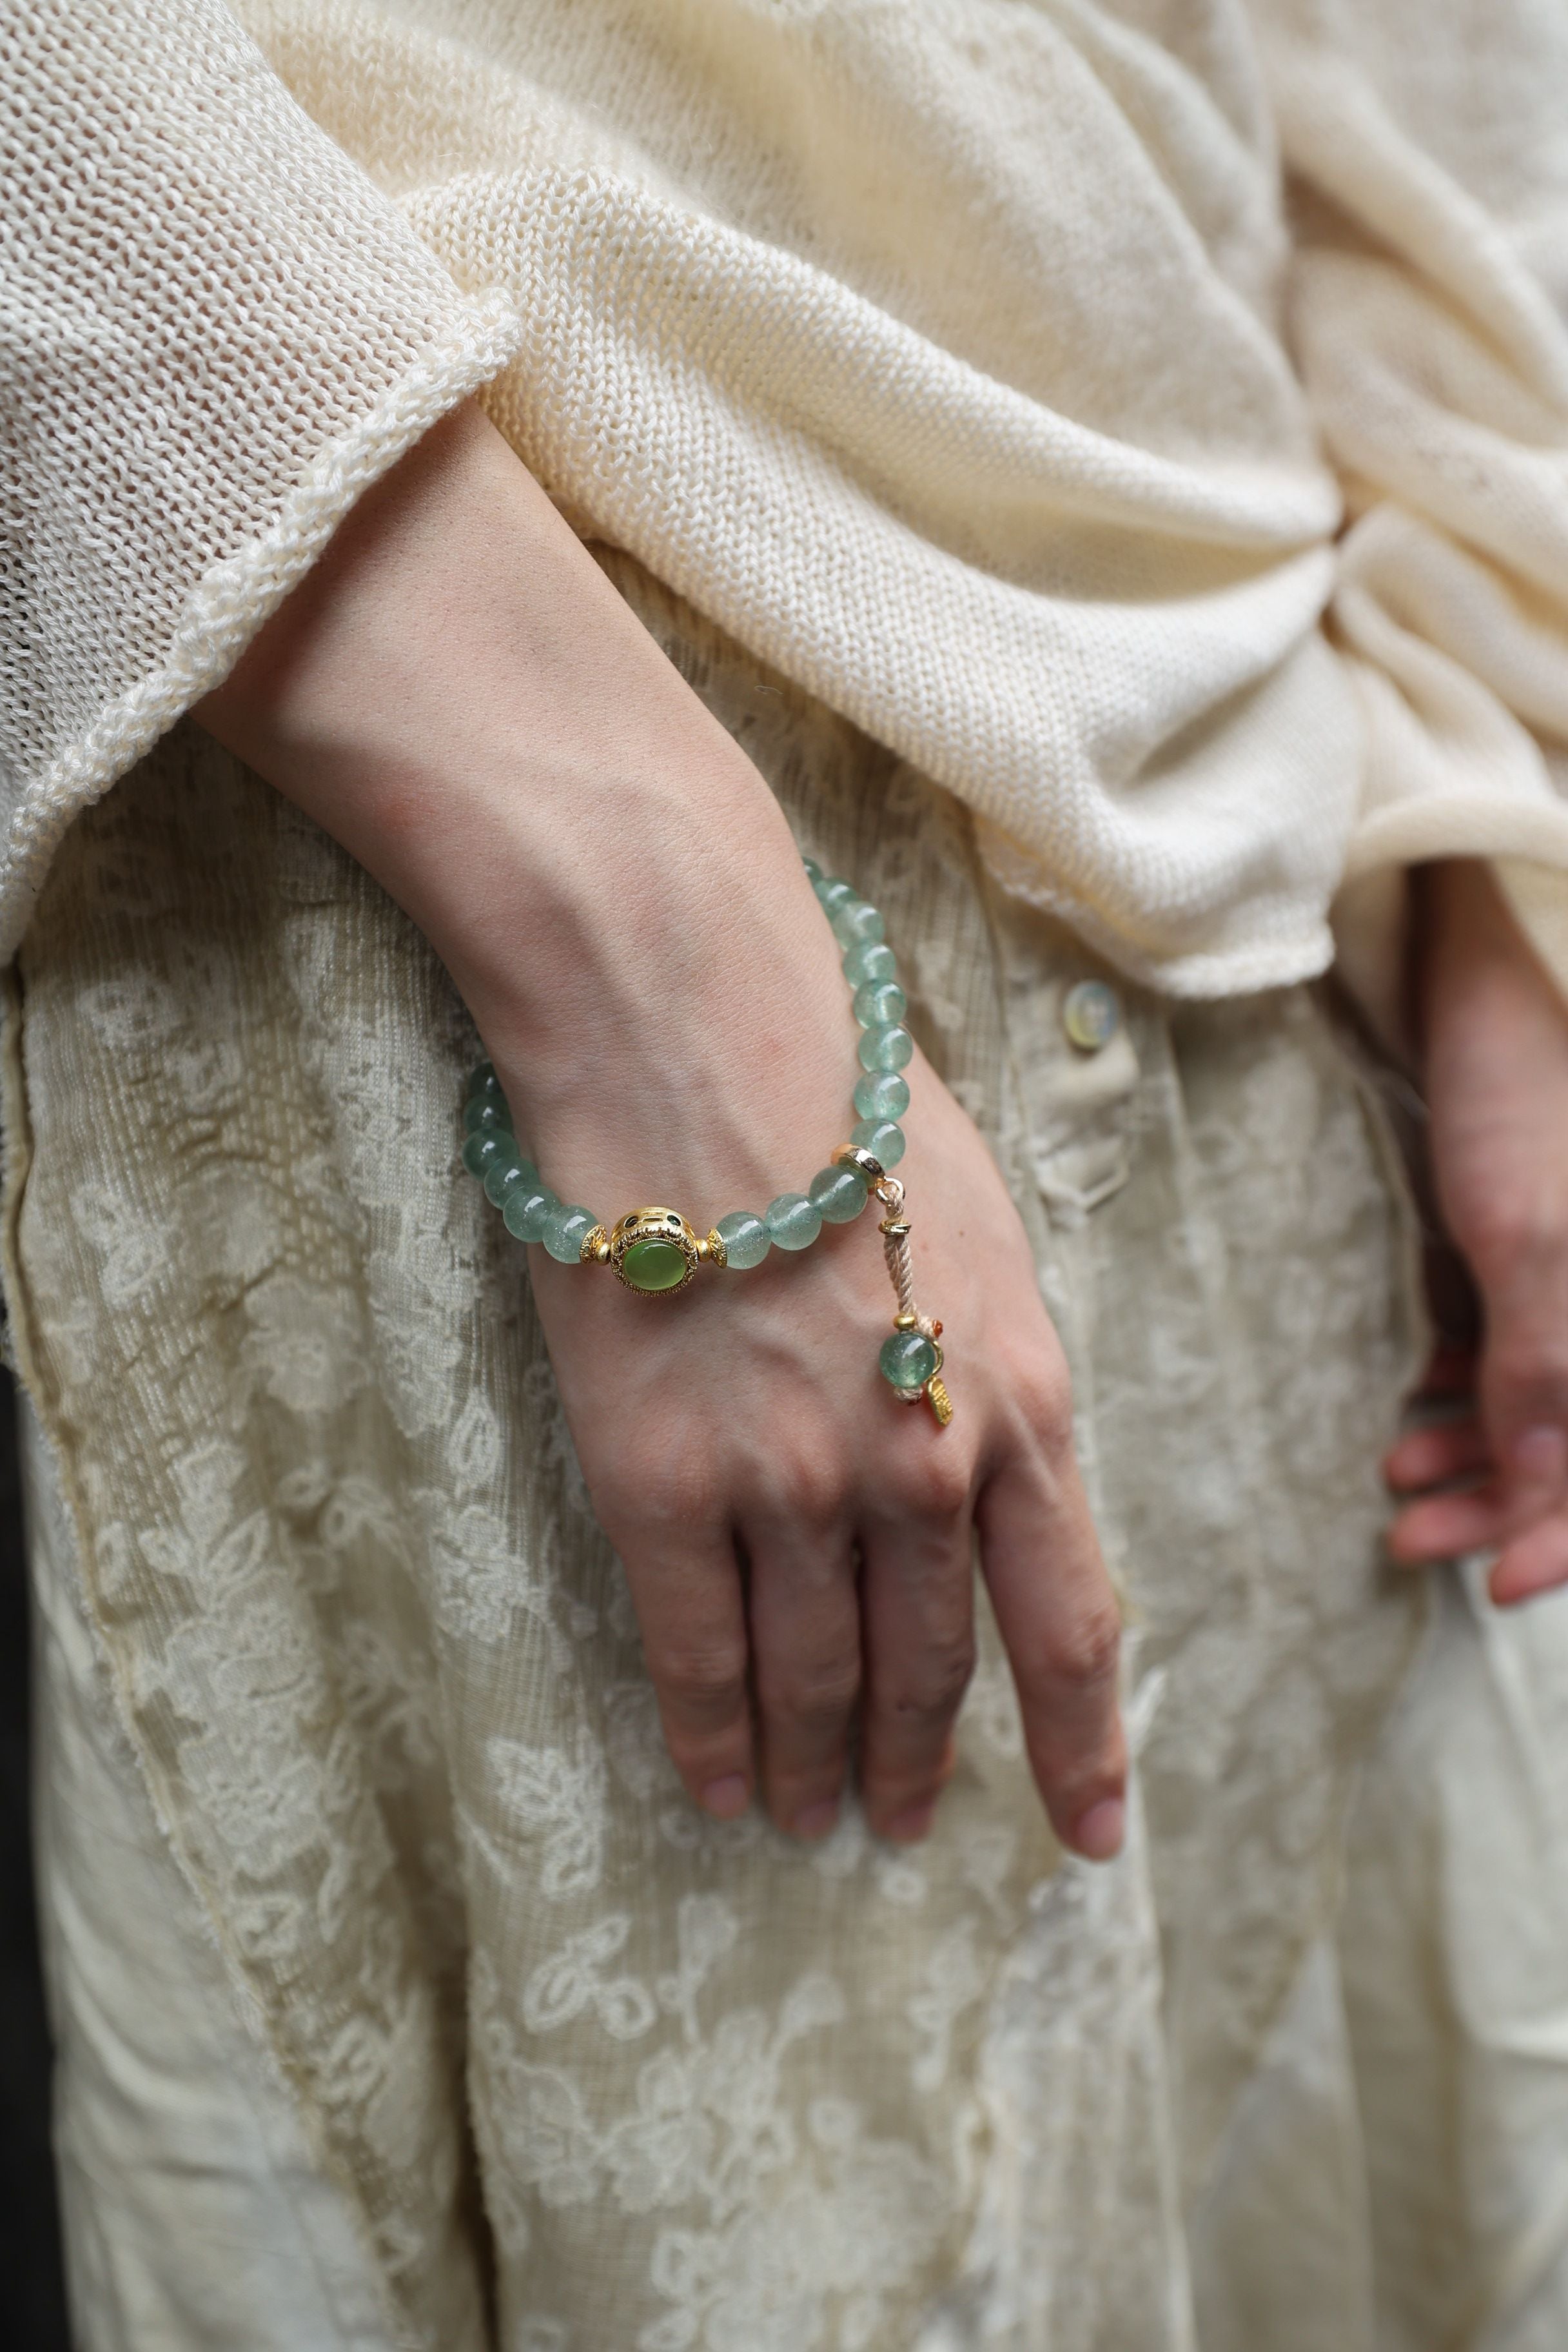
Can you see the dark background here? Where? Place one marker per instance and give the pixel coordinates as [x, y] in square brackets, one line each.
[32, 2299]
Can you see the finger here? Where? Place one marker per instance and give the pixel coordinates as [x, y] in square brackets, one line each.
[686, 1590]
[805, 1651]
[1058, 1619]
[918, 1609]
[1524, 1393]
[1533, 1562]
[1450, 1372]
[1431, 1456]
[1443, 1527]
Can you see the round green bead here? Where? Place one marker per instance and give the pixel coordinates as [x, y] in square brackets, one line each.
[881, 1139]
[857, 924]
[524, 1209]
[482, 1149]
[482, 1080]
[879, 1001]
[882, 1094]
[872, 960]
[745, 1237]
[838, 1194]
[653, 1264]
[907, 1360]
[791, 1223]
[812, 871]
[834, 893]
[563, 1230]
[486, 1114]
[889, 1047]
[505, 1173]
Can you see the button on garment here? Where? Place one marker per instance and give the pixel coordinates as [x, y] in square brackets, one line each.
[1091, 1015]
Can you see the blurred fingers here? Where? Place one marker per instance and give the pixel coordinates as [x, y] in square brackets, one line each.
[918, 1605]
[686, 1588]
[805, 1649]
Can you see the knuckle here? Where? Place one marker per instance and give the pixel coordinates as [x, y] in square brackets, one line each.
[940, 1486]
[1085, 1652]
[808, 1485]
[707, 1680]
[658, 1502]
[934, 1688]
[821, 1693]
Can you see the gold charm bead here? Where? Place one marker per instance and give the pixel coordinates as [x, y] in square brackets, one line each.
[596, 1249]
[937, 1397]
[654, 1251]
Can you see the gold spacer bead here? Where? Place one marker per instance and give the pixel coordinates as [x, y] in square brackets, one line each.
[711, 1246]
[905, 1321]
[596, 1247]
[896, 1228]
[853, 1155]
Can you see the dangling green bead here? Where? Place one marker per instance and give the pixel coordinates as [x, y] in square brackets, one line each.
[879, 1001]
[745, 1237]
[838, 1194]
[890, 1047]
[857, 924]
[524, 1209]
[881, 1139]
[907, 1360]
[563, 1233]
[505, 1172]
[791, 1223]
[871, 961]
[882, 1094]
[481, 1150]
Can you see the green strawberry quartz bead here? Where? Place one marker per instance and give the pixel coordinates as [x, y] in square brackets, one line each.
[564, 1231]
[481, 1150]
[834, 893]
[505, 1172]
[879, 1003]
[487, 1115]
[887, 1047]
[791, 1223]
[524, 1209]
[870, 961]
[907, 1360]
[882, 1094]
[838, 1194]
[881, 1139]
[746, 1238]
[857, 924]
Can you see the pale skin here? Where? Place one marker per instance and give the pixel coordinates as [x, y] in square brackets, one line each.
[459, 697]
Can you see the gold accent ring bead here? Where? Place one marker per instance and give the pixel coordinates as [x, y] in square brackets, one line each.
[713, 1243]
[896, 1228]
[853, 1155]
[906, 1321]
[596, 1248]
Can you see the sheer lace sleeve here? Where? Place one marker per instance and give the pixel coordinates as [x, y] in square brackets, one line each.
[214, 331]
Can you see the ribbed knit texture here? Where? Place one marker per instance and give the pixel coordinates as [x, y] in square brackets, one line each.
[937, 350]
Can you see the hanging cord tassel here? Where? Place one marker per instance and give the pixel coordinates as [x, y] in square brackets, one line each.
[895, 1231]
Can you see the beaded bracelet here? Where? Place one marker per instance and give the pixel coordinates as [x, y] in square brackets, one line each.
[656, 1253]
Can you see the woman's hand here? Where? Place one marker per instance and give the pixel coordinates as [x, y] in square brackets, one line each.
[1495, 1476]
[459, 697]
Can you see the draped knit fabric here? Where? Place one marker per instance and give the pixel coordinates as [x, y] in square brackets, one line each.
[1123, 557]
[941, 354]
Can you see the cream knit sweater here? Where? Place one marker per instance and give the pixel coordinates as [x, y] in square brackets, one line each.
[953, 355]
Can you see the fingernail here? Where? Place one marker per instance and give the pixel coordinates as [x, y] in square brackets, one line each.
[727, 1797]
[1099, 1832]
[908, 1828]
[1541, 1456]
[817, 1819]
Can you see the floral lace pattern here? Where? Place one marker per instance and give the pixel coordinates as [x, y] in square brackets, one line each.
[384, 1680]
